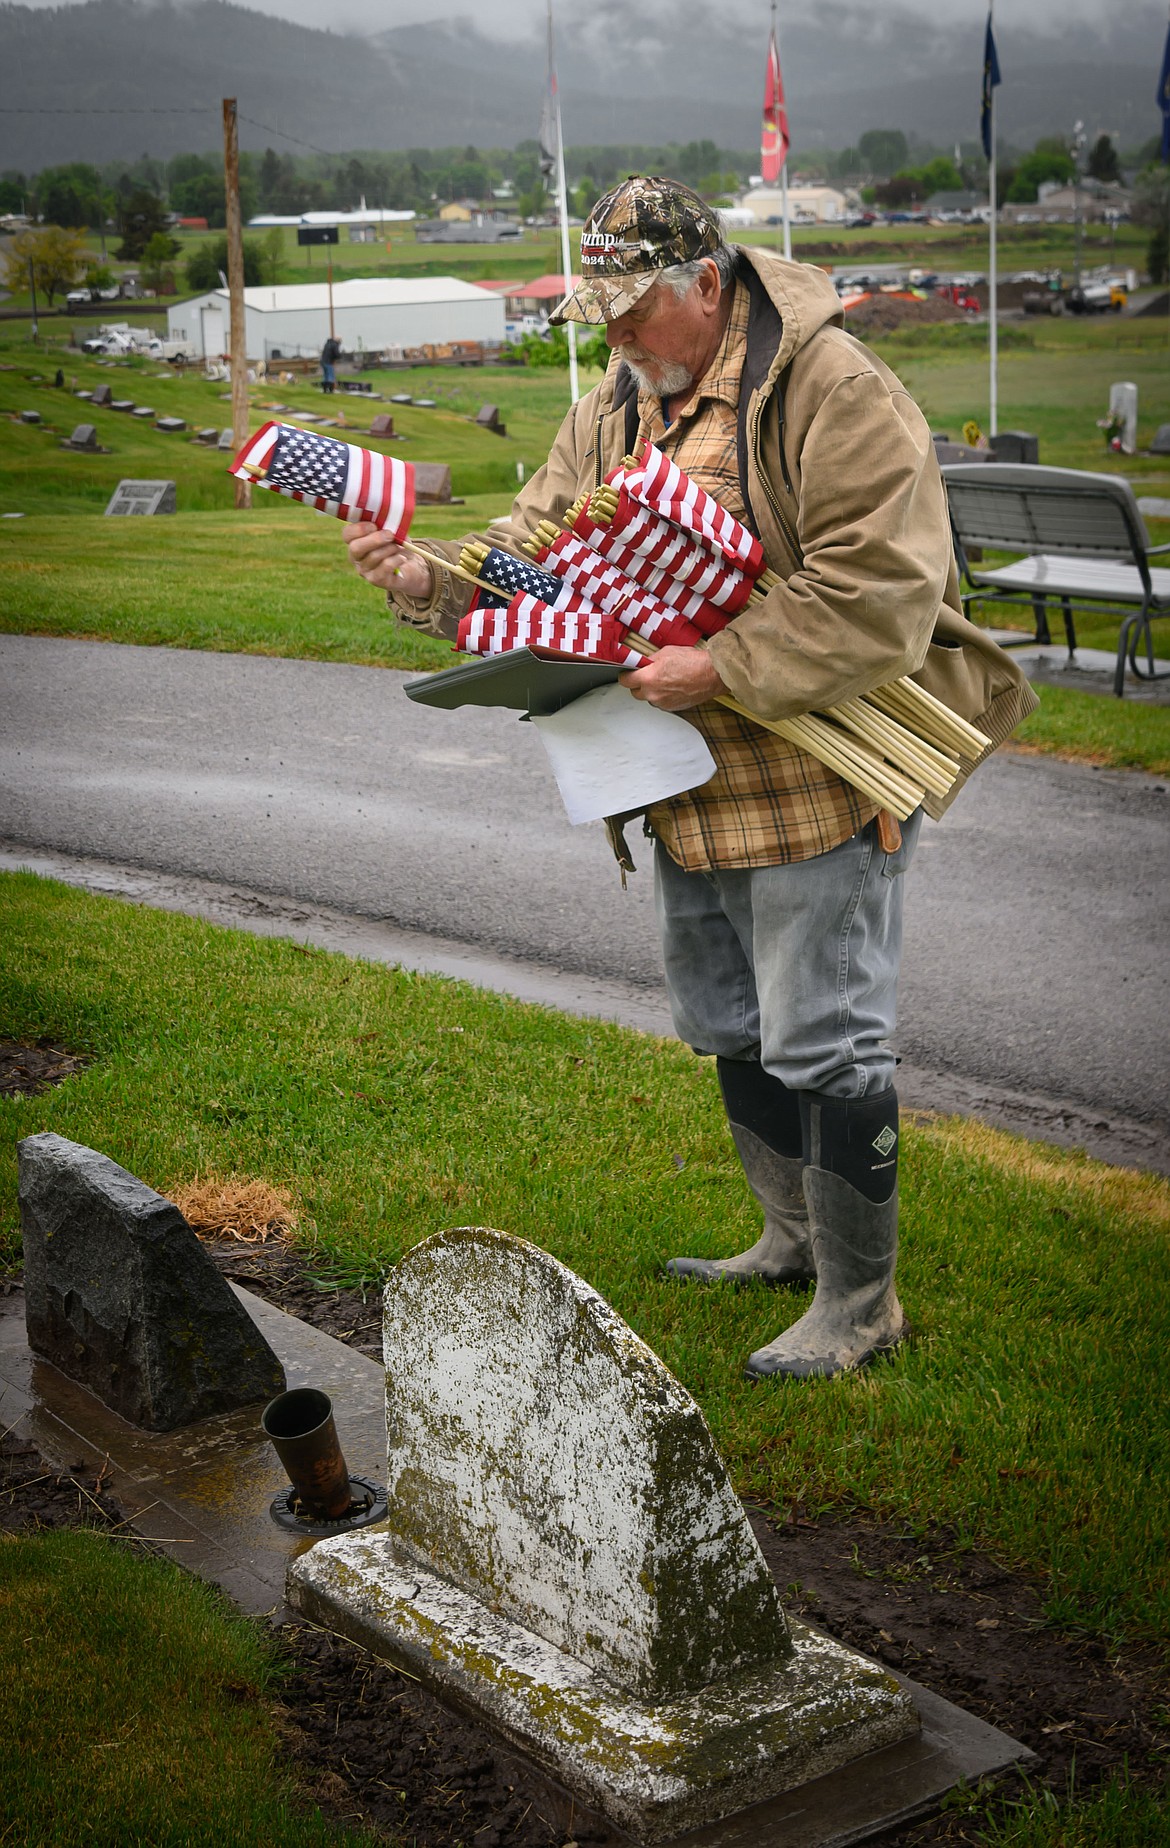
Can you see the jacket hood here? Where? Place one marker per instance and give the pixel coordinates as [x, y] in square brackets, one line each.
[802, 295]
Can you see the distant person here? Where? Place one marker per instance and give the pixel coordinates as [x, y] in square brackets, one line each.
[330, 354]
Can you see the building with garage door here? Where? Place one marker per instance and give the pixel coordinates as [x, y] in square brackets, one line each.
[370, 314]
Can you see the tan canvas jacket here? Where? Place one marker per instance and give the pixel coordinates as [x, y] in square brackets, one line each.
[840, 474]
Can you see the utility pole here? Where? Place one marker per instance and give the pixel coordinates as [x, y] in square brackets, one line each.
[235, 244]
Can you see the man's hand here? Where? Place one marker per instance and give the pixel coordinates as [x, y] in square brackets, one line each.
[675, 679]
[386, 564]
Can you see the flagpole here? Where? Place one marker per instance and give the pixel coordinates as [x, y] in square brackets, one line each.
[992, 272]
[784, 211]
[563, 212]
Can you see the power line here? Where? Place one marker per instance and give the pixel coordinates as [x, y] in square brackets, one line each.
[266, 127]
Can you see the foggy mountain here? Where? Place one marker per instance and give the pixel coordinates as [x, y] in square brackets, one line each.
[113, 79]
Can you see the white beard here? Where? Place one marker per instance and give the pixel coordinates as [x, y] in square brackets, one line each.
[666, 378]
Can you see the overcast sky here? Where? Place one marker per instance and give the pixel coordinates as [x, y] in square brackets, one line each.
[516, 18]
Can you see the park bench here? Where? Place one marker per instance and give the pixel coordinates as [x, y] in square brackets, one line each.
[1084, 545]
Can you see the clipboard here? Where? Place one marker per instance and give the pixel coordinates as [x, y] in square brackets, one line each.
[523, 680]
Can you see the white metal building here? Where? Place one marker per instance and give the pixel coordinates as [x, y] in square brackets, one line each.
[822, 205]
[369, 314]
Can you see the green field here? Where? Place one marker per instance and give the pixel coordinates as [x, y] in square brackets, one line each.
[948, 247]
[275, 580]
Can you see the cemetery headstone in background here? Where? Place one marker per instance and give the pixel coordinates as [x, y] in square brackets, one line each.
[432, 481]
[101, 394]
[120, 1294]
[142, 497]
[1123, 404]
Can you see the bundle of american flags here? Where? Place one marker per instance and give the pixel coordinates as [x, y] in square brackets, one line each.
[331, 475]
[649, 560]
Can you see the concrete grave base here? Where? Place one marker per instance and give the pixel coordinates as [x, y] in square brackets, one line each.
[203, 1494]
[655, 1770]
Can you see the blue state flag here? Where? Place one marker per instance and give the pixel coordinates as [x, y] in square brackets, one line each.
[1164, 98]
[990, 79]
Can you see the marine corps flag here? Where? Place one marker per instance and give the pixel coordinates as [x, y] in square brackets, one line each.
[774, 137]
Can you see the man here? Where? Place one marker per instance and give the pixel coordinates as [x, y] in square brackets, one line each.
[330, 354]
[778, 885]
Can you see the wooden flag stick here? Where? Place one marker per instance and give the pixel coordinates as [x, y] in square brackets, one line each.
[811, 733]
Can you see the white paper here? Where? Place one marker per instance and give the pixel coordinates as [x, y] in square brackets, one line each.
[610, 751]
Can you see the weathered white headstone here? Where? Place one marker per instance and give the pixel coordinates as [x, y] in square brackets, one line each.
[565, 1556]
[1123, 403]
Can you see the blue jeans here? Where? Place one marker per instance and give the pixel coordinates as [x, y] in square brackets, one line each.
[794, 965]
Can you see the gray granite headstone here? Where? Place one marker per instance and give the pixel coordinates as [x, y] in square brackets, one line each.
[170, 423]
[1015, 446]
[30, 417]
[120, 1295]
[142, 497]
[143, 410]
[1161, 443]
[209, 434]
[226, 440]
[122, 404]
[432, 481]
[102, 394]
[84, 437]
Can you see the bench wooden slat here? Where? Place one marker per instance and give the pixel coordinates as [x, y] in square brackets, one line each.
[1083, 539]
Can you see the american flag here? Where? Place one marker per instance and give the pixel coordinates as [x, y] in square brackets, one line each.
[510, 575]
[626, 563]
[528, 622]
[332, 476]
[602, 584]
[640, 542]
[659, 484]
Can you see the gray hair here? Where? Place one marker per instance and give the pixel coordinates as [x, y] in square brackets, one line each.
[681, 278]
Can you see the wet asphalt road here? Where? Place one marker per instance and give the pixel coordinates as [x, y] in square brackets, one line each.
[1036, 978]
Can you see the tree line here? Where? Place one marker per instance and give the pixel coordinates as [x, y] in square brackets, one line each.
[137, 197]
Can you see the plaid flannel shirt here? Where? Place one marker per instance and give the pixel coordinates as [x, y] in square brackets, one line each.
[768, 804]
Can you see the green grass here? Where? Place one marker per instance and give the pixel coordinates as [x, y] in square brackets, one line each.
[276, 580]
[1119, 1815]
[135, 1708]
[1086, 728]
[1030, 1415]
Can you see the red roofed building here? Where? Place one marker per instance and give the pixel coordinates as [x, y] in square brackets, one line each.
[537, 297]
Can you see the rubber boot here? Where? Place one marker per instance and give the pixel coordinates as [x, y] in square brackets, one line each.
[855, 1314]
[782, 1255]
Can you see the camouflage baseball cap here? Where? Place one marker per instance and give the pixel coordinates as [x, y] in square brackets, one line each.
[645, 225]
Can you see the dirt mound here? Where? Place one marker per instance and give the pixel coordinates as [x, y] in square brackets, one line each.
[886, 314]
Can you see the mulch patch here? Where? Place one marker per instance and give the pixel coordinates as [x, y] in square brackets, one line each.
[374, 1748]
[27, 1067]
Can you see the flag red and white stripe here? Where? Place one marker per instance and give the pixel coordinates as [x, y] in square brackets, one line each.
[640, 542]
[666, 489]
[333, 476]
[610, 590]
[574, 627]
